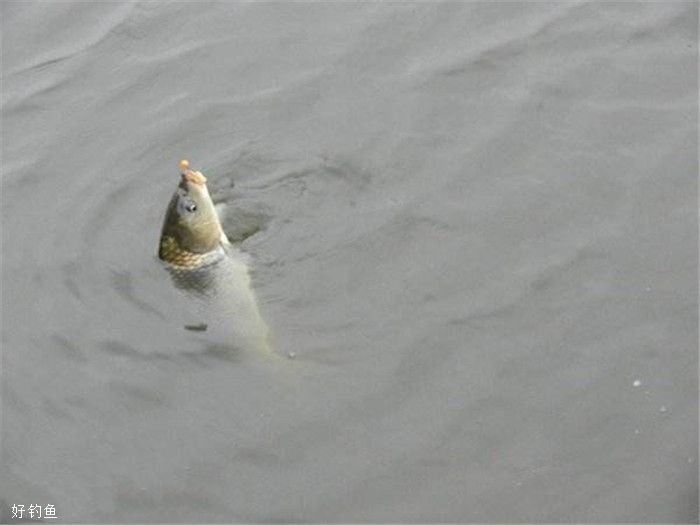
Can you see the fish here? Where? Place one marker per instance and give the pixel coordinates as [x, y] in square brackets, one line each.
[205, 264]
[191, 236]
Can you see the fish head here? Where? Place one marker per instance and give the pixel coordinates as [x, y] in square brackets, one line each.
[191, 229]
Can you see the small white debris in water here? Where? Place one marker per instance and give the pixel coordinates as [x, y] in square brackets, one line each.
[637, 382]
[690, 460]
[636, 431]
[648, 288]
[291, 355]
[519, 484]
[663, 409]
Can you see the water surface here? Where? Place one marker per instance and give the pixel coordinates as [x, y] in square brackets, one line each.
[473, 225]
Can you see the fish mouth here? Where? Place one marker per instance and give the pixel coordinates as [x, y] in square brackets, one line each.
[190, 176]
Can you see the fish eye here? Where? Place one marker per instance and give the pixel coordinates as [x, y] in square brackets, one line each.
[191, 207]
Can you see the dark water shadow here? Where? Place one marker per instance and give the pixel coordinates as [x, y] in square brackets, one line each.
[67, 348]
[209, 355]
[123, 284]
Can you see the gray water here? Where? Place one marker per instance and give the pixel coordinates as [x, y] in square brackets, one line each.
[473, 233]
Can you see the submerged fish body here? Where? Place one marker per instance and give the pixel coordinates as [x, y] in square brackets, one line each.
[202, 261]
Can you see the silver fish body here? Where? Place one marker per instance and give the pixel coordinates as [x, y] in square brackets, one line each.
[203, 264]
